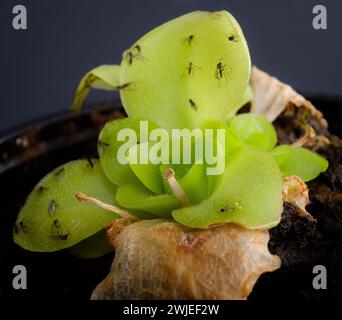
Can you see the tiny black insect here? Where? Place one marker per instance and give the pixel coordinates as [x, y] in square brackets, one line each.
[134, 53]
[190, 67]
[219, 68]
[138, 48]
[40, 190]
[123, 86]
[57, 234]
[59, 172]
[22, 226]
[103, 144]
[226, 208]
[190, 39]
[233, 37]
[130, 57]
[90, 163]
[222, 70]
[193, 104]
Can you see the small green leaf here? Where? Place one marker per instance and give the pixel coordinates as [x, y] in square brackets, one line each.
[297, 161]
[137, 196]
[109, 145]
[149, 173]
[254, 130]
[195, 183]
[249, 194]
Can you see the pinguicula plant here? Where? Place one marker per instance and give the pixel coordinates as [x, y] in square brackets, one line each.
[189, 73]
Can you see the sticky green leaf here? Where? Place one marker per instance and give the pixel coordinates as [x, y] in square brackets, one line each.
[249, 194]
[299, 161]
[149, 173]
[53, 219]
[137, 196]
[109, 146]
[190, 69]
[254, 130]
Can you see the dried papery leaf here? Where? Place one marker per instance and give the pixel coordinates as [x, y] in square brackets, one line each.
[157, 259]
[306, 139]
[311, 140]
[272, 97]
[296, 192]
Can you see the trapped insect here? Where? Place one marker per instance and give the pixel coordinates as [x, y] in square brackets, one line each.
[234, 37]
[222, 70]
[193, 104]
[123, 86]
[133, 54]
[190, 39]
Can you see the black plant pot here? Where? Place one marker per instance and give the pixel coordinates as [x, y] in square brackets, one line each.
[29, 153]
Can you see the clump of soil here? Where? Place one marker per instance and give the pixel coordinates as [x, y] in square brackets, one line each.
[300, 242]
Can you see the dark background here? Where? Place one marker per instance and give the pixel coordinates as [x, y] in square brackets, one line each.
[40, 67]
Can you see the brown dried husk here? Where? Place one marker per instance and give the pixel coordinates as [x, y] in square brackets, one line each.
[296, 192]
[157, 259]
[271, 97]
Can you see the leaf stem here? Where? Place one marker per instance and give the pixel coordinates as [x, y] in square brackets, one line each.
[176, 189]
[122, 213]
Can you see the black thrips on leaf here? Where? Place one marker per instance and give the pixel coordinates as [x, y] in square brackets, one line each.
[193, 104]
[123, 86]
[103, 144]
[59, 172]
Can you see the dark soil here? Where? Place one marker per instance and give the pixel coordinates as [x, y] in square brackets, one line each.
[302, 243]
